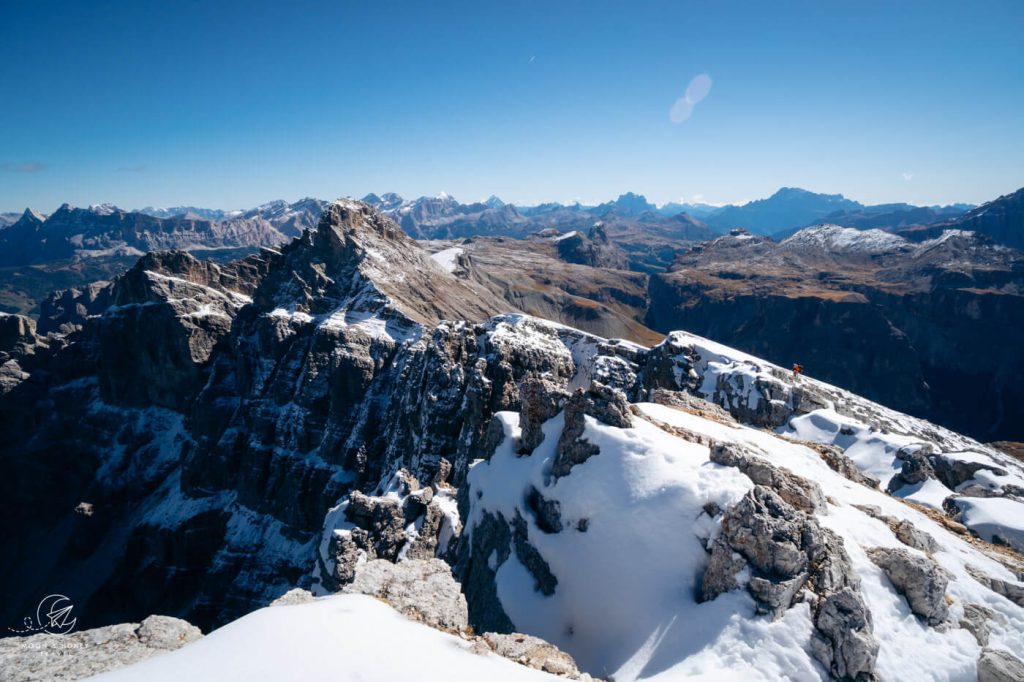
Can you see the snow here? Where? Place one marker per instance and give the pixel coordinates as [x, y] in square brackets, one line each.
[566, 235]
[837, 238]
[624, 601]
[343, 637]
[448, 258]
[990, 516]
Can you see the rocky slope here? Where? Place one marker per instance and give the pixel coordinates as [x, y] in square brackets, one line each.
[682, 509]
[1002, 220]
[929, 327]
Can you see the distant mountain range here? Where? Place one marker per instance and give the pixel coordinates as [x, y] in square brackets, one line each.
[106, 230]
[81, 244]
[444, 217]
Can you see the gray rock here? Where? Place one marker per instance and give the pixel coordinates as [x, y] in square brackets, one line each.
[443, 473]
[489, 547]
[920, 580]
[383, 520]
[907, 533]
[916, 467]
[608, 405]
[547, 513]
[837, 460]
[294, 596]
[425, 544]
[423, 590]
[785, 548]
[77, 655]
[544, 580]
[720, 574]
[1012, 591]
[800, 492]
[540, 400]
[532, 652]
[954, 472]
[999, 665]
[572, 448]
[975, 621]
[843, 640]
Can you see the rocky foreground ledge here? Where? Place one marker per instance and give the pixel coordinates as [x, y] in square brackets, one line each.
[423, 591]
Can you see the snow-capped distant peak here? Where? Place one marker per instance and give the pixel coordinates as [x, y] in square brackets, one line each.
[104, 209]
[838, 238]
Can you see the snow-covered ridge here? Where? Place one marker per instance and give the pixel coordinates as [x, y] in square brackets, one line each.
[617, 546]
[837, 238]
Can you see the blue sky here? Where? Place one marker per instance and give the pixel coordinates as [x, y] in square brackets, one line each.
[229, 104]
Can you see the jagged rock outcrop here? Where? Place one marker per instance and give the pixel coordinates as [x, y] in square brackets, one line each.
[540, 400]
[595, 249]
[18, 343]
[532, 652]
[998, 665]
[422, 589]
[772, 533]
[920, 580]
[785, 549]
[803, 494]
[77, 655]
[603, 403]
[842, 640]
[907, 533]
[837, 460]
[1014, 591]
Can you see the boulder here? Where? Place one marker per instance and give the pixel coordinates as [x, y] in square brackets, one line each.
[920, 580]
[998, 665]
[800, 492]
[532, 652]
[294, 596]
[422, 589]
[842, 640]
[907, 533]
[975, 621]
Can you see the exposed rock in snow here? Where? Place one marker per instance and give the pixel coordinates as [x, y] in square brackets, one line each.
[74, 656]
[919, 579]
[423, 590]
[842, 641]
[998, 665]
[532, 652]
[803, 494]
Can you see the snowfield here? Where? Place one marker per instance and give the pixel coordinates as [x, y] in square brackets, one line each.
[345, 637]
[625, 605]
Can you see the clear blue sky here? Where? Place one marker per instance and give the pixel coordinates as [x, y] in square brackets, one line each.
[229, 104]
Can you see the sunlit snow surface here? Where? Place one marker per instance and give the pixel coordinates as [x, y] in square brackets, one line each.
[624, 604]
[339, 638]
[448, 258]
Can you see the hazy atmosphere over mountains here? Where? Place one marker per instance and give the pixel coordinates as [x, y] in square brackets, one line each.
[511, 341]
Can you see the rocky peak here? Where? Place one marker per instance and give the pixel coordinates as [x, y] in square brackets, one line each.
[32, 217]
[359, 259]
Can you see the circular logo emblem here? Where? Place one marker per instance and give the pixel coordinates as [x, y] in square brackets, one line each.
[54, 615]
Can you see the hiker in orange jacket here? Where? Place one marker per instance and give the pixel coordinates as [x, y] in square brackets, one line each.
[797, 369]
